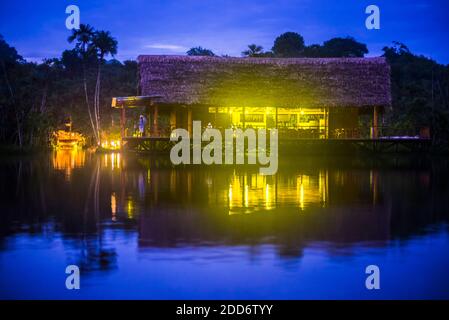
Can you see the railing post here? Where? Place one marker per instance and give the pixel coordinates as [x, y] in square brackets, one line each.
[375, 123]
[276, 117]
[123, 122]
[189, 121]
[155, 121]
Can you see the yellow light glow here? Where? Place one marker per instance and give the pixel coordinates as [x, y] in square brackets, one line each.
[246, 196]
[268, 199]
[67, 160]
[130, 209]
[230, 196]
[253, 192]
[111, 144]
[113, 207]
[301, 197]
[68, 140]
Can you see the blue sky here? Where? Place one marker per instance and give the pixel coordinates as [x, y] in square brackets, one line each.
[37, 29]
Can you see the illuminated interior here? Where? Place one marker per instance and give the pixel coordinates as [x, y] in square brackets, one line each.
[309, 121]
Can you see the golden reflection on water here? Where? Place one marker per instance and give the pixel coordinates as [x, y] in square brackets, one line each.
[251, 192]
[112, 160]
[67, 160]
[135, 188]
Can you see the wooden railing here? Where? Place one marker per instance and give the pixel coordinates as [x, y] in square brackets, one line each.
[315, 132]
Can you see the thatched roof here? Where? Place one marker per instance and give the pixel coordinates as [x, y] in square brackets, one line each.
[303, 82]
[133, 101]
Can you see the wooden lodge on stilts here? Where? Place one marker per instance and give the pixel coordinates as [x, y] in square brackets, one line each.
[313, 101]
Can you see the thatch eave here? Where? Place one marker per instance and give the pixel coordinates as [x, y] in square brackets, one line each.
[284, 82]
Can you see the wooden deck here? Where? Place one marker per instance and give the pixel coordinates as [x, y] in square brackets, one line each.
[385, 144]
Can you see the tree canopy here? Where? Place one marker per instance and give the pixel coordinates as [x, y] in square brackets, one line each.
[36, 98]
[253, 51]
[200, 51]
[288, 45]
[420, 93]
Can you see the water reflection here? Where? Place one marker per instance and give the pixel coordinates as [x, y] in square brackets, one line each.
[314, 201]
[96, 203]
[67, 160]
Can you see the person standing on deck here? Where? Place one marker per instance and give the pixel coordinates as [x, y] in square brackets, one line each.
[142, 125]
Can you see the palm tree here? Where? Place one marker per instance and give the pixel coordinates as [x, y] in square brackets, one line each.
[83, 37]
[253, 51]
[104, 44]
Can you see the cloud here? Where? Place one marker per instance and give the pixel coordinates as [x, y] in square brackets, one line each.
[169, 47]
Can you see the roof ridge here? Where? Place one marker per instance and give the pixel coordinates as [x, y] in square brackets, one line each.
[148, 58]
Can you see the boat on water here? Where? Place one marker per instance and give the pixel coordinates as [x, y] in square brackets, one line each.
[68, 139]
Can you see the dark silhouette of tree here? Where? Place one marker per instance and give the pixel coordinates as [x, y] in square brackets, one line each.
[37, 98]
[420, 93]
[200, 51]
[104, 44]
[83, 37]
[336, 48]
[253, 51]
[10, 60]
[344, 47]
[289, 44]
[314, 51]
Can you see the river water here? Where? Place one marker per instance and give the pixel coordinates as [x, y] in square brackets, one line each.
[141, 228]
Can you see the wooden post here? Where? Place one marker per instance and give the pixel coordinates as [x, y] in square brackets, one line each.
[375, 123]
[172, 120]
[189, 121]
[276, 117]
[123, 122]
[155, 121]
[215, 117]
[326, 123]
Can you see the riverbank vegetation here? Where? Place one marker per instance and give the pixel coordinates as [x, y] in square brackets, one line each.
[38, 98]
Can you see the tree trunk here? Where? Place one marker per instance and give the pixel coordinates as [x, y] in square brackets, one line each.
[44, 99]
[19, 129]
[87, 103]
[8, 84]
[97, 100]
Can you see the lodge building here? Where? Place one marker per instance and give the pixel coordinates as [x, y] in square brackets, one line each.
[311, 98]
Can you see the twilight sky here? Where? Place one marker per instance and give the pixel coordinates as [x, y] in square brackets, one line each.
[37, 28]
